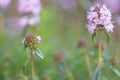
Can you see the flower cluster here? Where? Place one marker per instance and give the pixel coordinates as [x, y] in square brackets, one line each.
[4, 3]
[31, 40]
[30, 9]
[99, 17]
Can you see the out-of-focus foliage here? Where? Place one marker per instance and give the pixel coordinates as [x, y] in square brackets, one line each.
[69, 51]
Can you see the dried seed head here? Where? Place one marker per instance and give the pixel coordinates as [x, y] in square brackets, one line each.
[58, 56]
[31, 40]
[82, 43]
[114, 60]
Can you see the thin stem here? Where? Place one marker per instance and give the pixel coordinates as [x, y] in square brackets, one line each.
[87, 59]
[32, 64]
[99, 49]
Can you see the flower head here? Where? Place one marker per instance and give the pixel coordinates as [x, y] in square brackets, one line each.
[99, 17]
[30, 10]
[26, 20]
[29, 6]
[31, 40]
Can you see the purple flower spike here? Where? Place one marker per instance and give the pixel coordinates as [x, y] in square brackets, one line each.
[99, 15]
[29, 6]
[30, 10]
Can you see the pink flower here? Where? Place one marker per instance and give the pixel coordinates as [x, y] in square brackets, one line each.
[32, 20]
[91, 27]
[31, 10]
[23, 21]
[99, 15]
[4, 3]
[23, 41]
[113, 4]
[29, 6]
[91, 15]
[39, 39]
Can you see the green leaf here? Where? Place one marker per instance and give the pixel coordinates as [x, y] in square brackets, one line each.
[39, 53]
[96, 74]
[100, 26]
[116, 72]
[107, 37]
[45, 60]
[93, 36]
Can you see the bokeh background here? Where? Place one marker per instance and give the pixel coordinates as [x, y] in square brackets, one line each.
[66, 43]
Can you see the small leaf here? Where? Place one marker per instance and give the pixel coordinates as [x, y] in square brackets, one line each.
[100, 26]
[96, 74]
[93, 36]
[39, 53]
[45, 60]
[116, 72]
[107, 37]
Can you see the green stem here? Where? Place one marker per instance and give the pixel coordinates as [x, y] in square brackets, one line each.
[32, 64]
[99, 49]
[87, 59]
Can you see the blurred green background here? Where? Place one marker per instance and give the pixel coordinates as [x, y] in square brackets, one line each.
[66, 43]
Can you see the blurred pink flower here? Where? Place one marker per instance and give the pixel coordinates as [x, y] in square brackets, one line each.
[99, 15]
[29, 6]
[31, 10]
[39, 39]
[113, 4]
[26, 20]
[4, 3]
[12, 26]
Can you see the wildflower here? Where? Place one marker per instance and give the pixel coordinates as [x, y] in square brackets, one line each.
[26, 20]
[99, 18]
[30, 10]
[5, 3]
[29, 6]
[31, 41]
[113, 4]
